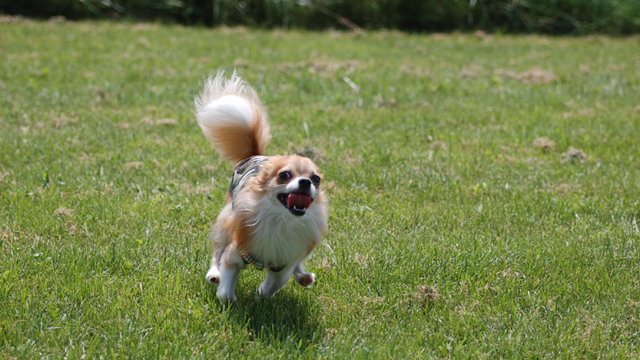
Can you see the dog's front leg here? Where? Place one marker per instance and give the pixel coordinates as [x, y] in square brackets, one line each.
[274, 282]
[303, 278]
[230, 266]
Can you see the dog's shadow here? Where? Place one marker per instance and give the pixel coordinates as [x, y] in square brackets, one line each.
[291, 316]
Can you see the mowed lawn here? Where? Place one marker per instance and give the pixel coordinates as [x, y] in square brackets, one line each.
[484, 190]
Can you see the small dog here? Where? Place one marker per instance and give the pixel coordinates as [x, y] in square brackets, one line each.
[275, 213]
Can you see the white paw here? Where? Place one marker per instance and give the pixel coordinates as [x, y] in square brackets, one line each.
[213, 275]
[306, 279]
[226, 298]
[265, 294]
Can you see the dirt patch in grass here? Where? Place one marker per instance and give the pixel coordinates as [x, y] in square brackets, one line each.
[102, 96]
[439, 145]
[209, 168]
[472, 71]
[63, 212]
[574, 155]
[6, 19]
[144, 27]
[86, 159]
[373, 300]
[329, 334]
[531, 76]
[233, 30]
[586, 112]
[584, 68]
[134, 165]
[509, 273]
[362, 260]
[326, 265]
[57, 19]
[379, 101]
[8, 236]
[62, 120]
[424, 296]
[331, 187]
[481, 34]
[544, 144]
[352, 157]
[73, 229]
[562, 188]
[240, 63]
[310, 152]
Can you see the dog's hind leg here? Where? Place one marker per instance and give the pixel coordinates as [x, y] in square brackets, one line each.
[303, 278]
[221, 242]
[230, 266]
[220, 239]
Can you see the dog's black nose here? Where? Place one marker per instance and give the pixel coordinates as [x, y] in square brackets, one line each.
[304, 184]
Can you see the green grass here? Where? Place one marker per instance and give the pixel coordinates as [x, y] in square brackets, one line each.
[451, 233]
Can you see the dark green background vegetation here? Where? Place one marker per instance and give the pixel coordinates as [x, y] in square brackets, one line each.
[544, 16]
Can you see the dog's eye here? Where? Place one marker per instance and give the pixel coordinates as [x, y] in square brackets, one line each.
[284, 176]
[316, 179]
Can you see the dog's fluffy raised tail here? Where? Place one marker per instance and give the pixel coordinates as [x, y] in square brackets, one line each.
[232, 117]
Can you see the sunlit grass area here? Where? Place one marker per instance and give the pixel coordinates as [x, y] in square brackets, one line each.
[484, 193]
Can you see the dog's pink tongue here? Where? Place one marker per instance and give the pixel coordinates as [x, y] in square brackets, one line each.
[299, 200]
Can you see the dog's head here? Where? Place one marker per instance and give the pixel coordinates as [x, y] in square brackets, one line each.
[292, 182]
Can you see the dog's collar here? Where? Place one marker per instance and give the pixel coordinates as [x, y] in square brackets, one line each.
[245, 169]
[247, 259]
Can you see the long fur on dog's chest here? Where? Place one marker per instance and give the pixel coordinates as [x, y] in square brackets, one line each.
[278, 238]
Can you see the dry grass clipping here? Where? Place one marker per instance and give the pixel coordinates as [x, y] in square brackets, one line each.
[424, 296]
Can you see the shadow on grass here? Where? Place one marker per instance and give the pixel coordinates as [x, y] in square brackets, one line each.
[290, 317]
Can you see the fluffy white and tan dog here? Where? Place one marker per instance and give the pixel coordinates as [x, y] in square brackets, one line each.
[275, 213]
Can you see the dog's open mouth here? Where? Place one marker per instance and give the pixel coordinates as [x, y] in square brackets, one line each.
[296, 202]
